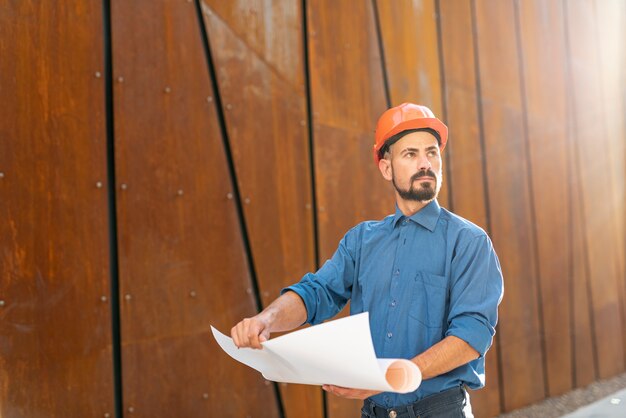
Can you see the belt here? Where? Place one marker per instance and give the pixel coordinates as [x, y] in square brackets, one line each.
[422, 407]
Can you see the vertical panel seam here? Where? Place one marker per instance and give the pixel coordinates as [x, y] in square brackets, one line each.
[444, 101]
[531, 197]
[232, 174]
[112, 212]
[570, 202]
[481, 135]
[576, 158]
[381, 49]
[309, 115]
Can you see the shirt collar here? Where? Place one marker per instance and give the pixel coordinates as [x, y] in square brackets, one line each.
[427, 216]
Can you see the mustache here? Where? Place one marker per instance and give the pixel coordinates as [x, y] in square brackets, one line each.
[423, 173]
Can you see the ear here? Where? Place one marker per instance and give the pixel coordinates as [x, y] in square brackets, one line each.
[384, 165]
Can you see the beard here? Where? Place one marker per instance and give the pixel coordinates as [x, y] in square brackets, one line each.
[425, 192]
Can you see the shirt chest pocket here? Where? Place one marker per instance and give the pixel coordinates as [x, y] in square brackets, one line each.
[429, 293]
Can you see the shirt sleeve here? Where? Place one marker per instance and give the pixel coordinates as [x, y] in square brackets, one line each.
[475, 293]
[327, 291]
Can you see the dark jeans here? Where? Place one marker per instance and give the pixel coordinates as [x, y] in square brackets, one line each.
[451, 403]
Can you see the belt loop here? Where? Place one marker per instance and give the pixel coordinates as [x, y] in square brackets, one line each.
[411, 411]
[372, 412]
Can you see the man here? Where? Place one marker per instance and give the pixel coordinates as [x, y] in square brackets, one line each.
[429, 279]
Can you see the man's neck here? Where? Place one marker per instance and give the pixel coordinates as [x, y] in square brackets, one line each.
[410, 207]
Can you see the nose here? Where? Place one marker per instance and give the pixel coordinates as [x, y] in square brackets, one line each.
[423, 163]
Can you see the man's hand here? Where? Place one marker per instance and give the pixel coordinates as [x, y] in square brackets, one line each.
[350, 393]
[251, 332]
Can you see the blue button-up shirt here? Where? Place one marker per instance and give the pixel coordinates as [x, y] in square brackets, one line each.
[421, 278]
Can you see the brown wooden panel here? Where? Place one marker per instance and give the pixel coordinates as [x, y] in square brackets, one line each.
[347, 94]
[593, 148]
[542, 40]
[182, 259]
[509, 200]
[411, 53]
[464, 154]
[258, 52]
[55, 316]
[611, 23]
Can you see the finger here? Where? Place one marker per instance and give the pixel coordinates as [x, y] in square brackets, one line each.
[234, 335]
[253, 335]
[245, 341]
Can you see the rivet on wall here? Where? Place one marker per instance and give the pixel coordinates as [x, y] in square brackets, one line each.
[131, 409]
[247, 200]
[128, 296]
[1, 175]
[209, 99]
[120, 79]
[205, 396]
[307, 206]
[1, 303]
[249, 291]
[229, 106]
[229, 196]
[180, 192]
[99, 185]
[98, 74]
[124, 186]
[167, 89]
[107, 415]
[267, 383]
[193, 294]
[302, 123]
[103, 298]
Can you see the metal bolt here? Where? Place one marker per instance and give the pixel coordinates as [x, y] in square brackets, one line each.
[98, 75]
[167, 89]
[249, 291]
[229, 196]
[1, 303]
[99, 185]
[229, 106]
[180, 192]
[124, 186]
[193, 294]
[103, 298]
[246, 200]
[107, 415]
[1, 175]
[205, 396]
[209, 99]
[131, 409]
[128, 296]
[120, 79]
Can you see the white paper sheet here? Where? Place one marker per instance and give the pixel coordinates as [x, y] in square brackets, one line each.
[338, 353]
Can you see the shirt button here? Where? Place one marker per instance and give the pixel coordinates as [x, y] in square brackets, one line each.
[389, 334]
[397, 271]
[393, 303]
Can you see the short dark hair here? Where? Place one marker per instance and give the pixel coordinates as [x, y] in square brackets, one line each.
[395, 138]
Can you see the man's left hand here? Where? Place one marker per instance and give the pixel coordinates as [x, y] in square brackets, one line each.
[349, 393]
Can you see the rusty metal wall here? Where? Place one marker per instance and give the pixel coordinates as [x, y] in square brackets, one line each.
[196, 156]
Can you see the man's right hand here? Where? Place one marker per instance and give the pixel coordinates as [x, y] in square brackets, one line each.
[251, 332]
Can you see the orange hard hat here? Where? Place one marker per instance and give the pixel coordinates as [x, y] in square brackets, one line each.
[404, 117]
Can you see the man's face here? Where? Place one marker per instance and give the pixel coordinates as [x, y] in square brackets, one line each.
[414, 167]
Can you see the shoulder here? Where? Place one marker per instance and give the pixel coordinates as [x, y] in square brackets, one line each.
[368, 228]
[461, 227]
